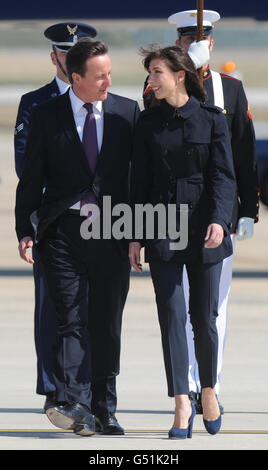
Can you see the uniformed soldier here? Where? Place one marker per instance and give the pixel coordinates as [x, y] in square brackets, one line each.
[63, 36]
[227, 93]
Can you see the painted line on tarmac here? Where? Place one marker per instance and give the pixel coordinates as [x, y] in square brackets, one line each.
[133, 431]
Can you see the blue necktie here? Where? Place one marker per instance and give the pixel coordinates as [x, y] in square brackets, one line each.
[90, 144]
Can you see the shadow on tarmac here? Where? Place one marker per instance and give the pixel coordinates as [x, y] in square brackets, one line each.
[236, 274]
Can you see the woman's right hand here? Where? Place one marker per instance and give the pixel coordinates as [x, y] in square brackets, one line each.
[24, 244]
[134, 256]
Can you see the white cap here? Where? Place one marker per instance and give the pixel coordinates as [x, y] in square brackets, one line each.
[186, 21]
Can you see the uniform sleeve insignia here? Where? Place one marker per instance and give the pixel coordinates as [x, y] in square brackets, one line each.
[249, 112]
[72, 31]
[19, 128]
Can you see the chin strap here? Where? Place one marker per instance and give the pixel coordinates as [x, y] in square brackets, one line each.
[58, 62]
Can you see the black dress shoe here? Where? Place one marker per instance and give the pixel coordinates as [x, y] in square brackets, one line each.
[72, 416]
[108, 424]
[196, 398]
[50, 401]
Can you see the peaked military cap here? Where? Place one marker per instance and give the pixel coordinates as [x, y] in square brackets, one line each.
[186, 21]
[65, 35]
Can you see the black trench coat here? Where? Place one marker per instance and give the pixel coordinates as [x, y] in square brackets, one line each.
[184, 156]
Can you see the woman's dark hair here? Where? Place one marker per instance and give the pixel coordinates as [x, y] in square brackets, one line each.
[176, 59]
[79, 53]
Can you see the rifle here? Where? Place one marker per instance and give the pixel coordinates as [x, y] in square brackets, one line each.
[200, 9]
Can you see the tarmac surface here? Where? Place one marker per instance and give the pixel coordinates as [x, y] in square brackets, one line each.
[144, 409]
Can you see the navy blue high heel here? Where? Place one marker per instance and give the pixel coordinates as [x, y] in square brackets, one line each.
[175, 433]
[213, 426]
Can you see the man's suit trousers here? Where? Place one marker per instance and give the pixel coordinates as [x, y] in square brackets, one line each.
[204, 292]
[44, 328]
[88, 282]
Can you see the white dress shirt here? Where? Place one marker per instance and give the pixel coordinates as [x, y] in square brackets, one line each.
[80, 113]
[63, 86]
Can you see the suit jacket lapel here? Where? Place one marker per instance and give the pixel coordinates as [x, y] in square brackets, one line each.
[67, 119]
[108, 125]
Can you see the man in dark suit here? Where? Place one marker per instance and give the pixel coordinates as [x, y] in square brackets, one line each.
[88, 280]
[62, 36]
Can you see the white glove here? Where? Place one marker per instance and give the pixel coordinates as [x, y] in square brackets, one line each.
[245, 228]
[199, 53]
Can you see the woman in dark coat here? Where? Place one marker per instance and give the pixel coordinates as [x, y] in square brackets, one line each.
[182, 155]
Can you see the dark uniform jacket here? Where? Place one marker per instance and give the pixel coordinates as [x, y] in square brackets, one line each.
[236, 110]
[54, 153]
[186, 159]
[27, 103]
[242, 134]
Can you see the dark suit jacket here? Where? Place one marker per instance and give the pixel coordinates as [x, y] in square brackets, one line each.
[27, 103]
[197, 171]
[54, 153]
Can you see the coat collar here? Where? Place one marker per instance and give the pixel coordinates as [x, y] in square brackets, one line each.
[53, 89]
[170, 112]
